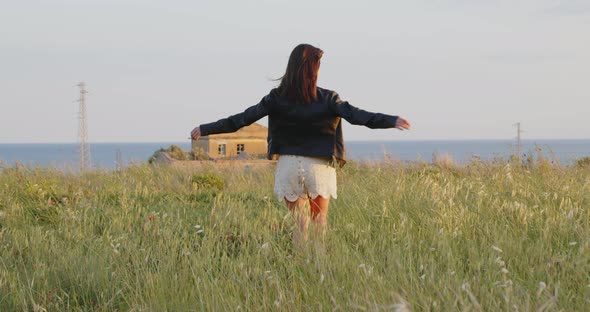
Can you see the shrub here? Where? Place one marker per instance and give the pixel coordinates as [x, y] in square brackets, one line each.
[208, 181]
[174, 151]
[583, 162]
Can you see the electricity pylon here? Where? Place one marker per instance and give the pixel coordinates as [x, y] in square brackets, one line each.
[83, 130]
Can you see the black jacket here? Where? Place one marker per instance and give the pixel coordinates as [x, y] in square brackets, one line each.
[313, 129]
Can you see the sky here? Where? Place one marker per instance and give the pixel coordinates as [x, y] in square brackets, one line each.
[156, 69]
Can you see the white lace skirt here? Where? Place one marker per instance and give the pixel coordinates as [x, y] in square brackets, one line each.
[305, 177]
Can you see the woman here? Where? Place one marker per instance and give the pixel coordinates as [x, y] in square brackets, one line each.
[305, 133]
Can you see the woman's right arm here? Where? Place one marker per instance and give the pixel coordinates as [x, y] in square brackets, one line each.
[235, 122]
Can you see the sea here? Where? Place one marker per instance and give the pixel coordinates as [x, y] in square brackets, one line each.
[116, 155]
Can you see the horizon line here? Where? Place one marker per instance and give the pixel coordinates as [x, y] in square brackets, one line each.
[353, 140]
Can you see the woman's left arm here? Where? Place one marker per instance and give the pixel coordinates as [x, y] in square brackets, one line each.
[357, 116]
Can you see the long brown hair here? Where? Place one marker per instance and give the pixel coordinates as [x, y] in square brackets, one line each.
[300, 79]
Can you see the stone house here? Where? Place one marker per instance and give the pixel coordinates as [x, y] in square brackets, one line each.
[248, 142]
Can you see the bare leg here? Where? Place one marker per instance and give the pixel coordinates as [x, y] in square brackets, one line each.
[301, 216]
[319, 214]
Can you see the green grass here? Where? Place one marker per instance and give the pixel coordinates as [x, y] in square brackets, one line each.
[481, 237]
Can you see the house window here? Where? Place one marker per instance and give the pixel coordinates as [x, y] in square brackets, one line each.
[240, 149]
[221, 149]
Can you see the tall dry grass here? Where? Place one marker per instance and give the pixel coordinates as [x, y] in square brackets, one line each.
[485, 236]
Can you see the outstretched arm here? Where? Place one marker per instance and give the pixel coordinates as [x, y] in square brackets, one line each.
[402, 124]
[196, 133]
[357, 116]
[235, 122]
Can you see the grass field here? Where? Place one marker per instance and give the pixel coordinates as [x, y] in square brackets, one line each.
[484, 237]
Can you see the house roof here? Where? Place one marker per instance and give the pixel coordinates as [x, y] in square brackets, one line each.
[253, 131]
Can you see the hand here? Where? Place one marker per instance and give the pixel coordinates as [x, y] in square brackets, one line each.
[196, 133]
[402, 124]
